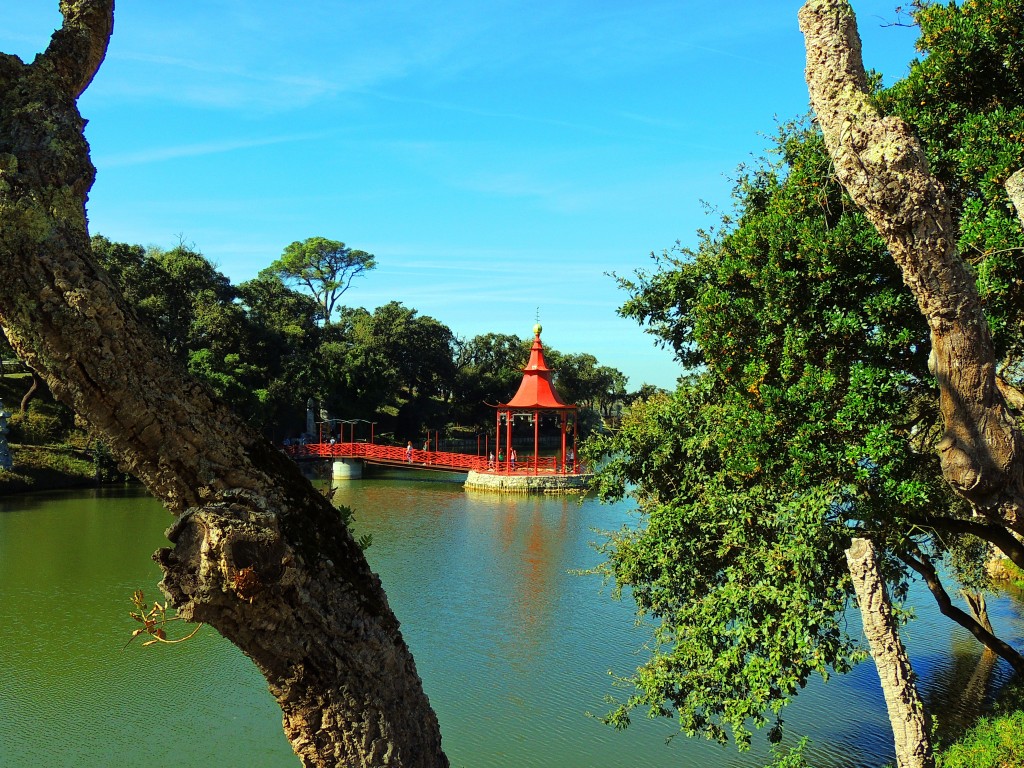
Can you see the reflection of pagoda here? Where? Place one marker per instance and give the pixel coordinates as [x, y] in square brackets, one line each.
[536, 397]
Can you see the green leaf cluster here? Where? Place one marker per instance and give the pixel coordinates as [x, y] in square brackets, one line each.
[807, 413]
[263, 346]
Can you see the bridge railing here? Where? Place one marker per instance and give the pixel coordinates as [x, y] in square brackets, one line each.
[396, 454]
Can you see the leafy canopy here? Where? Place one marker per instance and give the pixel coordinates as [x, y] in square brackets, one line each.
[808, 412]
[326, 268]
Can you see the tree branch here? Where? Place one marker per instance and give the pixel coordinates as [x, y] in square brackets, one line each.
[961, 617]
[996, 535]
[883, 167]
[77, 49]
[1013, 396]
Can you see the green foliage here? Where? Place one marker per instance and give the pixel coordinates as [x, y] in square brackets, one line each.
[790, 757]
[324, 267]
[45, 468]
[993, 743]
[808, 411]
[261, 346]
[746, 580]
[392, 359]
[488, 370]
[37, 427]
[105, 466]
[348, 518]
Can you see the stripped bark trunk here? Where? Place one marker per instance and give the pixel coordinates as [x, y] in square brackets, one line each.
[1015, 191]
[258, 553]
[979, 608]
[882, 165]
[906, 712]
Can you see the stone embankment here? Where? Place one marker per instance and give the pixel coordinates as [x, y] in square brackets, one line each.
[553, 484]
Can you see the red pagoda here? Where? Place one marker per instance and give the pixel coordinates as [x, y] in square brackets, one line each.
[536, 396]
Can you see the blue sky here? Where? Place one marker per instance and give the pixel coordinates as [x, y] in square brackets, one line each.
[498, 158]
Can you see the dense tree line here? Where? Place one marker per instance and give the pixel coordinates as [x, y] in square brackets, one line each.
[812, 415]
[825, 401]
[268, 344]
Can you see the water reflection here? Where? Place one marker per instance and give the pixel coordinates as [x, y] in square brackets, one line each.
[513, 649]
[530, 548]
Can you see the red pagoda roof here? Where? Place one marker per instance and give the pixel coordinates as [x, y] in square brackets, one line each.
[536, 391]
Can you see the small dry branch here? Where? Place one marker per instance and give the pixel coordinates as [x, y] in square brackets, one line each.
[154, 620]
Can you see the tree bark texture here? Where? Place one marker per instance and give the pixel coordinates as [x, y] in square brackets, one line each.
[883, 167]
[1015, 191]
[906, 713]
[258, 553]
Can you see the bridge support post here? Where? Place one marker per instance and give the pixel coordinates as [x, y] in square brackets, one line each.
[346, 469]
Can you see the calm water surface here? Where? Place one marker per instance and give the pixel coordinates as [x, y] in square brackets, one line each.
[514, 649]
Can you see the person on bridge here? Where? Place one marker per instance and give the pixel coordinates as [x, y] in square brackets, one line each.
[408, 452]
[512, 458]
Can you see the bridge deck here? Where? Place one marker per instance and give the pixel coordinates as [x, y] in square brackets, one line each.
[395, 455]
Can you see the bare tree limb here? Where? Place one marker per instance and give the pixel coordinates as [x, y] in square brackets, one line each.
[985, 637]
[77, 49]
[996, 535]
[1013, 396]
[33, 389]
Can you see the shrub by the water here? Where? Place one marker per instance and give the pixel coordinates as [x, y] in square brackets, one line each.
[35, 428]
[996, 742]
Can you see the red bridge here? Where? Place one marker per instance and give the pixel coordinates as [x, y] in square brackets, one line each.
[397, 456]
[535, 397]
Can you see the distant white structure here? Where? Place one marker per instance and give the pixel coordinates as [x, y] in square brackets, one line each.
[6, 462]
[311, 417]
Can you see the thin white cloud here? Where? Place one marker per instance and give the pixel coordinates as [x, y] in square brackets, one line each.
[160, 154]
[501, 115]
[304, 82]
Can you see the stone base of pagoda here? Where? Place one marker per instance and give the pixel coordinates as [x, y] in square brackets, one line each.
[493, 482]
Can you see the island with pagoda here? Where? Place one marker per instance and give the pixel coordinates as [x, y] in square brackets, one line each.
[536, 399]
[535, 407]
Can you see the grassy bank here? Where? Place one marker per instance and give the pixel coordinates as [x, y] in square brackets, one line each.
[42, 468]
[50, 451]
[994, 742]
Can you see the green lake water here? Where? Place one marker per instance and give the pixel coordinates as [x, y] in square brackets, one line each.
[515, 650]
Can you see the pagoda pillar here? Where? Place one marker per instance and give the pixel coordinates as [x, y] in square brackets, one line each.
[564, 419]
[536, 439]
